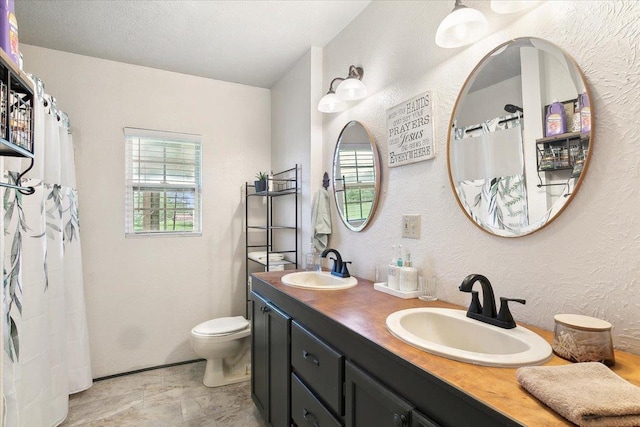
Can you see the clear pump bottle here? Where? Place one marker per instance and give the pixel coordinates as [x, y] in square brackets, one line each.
[392, 271]
[312, 259]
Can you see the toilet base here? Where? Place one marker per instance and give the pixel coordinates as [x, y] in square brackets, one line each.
[217, 374]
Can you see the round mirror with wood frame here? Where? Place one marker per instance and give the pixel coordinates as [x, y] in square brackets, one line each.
[356, 176]
[520, 137]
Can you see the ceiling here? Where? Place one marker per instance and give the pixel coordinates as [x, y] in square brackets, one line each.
[248, 42]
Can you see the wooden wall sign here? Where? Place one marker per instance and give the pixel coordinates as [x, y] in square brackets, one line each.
[410, 131]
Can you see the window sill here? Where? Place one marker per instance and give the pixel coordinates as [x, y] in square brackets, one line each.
[162, 234]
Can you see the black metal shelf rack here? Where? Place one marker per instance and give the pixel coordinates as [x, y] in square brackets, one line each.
[280, 184]
[16, 117]
[561, 152]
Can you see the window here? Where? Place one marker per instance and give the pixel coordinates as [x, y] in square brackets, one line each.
[163, 179]
[357, 169]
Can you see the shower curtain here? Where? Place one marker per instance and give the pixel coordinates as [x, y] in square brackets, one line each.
[45, 336]
[502, 198]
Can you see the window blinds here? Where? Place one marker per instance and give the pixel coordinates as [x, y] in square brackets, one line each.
[163, 183]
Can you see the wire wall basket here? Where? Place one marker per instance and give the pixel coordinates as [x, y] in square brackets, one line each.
[16, 117]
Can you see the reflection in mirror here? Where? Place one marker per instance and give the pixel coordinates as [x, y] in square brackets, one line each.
[356, 176]
[520, 136]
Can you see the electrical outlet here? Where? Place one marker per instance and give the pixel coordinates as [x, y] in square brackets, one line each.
[411, 226]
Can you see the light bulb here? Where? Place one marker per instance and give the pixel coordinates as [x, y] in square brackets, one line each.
[351, 89]
[464, 25]
[331, 103]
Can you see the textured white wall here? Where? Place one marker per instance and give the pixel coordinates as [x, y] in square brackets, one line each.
[144, 295]
[588, 260]
[296, 135]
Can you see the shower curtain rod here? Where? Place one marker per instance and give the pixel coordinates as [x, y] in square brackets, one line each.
[471, 129]
[50, 101]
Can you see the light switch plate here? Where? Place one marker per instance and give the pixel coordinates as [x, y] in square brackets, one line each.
[411, 226]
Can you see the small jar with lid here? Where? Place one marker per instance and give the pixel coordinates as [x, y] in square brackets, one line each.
[580, 338]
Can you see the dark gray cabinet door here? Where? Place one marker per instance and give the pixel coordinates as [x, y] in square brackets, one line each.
[259, 355]
[279, 368]
[370, 404]
[270, 364]
[420, 420]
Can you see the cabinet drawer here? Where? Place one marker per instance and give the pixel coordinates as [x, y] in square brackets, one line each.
[320, 366]
[306, 410]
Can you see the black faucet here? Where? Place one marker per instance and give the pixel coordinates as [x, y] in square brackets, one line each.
[339, 267]
[487, 311]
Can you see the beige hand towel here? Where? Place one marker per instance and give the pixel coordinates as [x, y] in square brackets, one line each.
[321, 220]
[587, 394]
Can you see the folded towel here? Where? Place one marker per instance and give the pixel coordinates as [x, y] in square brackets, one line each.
[262, 256]
[321, 220]
[587, 394]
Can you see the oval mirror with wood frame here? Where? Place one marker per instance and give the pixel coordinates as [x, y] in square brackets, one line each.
[356, 176]
[520, 137]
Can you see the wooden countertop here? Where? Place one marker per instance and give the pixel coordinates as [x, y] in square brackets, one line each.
[364, 310]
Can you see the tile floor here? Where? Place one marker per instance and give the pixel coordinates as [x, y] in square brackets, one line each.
[166, 397]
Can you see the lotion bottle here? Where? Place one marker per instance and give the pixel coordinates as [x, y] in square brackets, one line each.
[408, 275]
[585, 113]
[556, 121]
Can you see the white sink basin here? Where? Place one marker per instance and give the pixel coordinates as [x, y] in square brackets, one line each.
[450, 333]
[318, 280]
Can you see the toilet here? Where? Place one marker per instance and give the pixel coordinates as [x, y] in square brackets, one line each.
[225, 344]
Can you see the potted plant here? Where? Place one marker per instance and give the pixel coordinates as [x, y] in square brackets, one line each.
[261, 183]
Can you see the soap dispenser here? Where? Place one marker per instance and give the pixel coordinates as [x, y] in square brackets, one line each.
[408, 275]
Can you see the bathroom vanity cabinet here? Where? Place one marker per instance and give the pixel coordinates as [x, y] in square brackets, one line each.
[270, 332]
[338, 377]
[325, 390]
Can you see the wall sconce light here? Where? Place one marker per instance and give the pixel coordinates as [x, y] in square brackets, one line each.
[464, 25]
[350, 88]
[511, 6]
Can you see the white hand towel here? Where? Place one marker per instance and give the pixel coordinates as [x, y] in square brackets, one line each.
[262, 256]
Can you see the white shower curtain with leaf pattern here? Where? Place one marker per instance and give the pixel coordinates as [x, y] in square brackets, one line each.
[45, 338]
[498, 201]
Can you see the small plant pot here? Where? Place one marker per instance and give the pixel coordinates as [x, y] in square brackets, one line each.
[261, 186]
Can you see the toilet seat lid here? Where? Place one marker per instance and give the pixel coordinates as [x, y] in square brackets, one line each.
[222, 326]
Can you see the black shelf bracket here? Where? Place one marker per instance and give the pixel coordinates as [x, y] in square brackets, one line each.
[27, 191]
